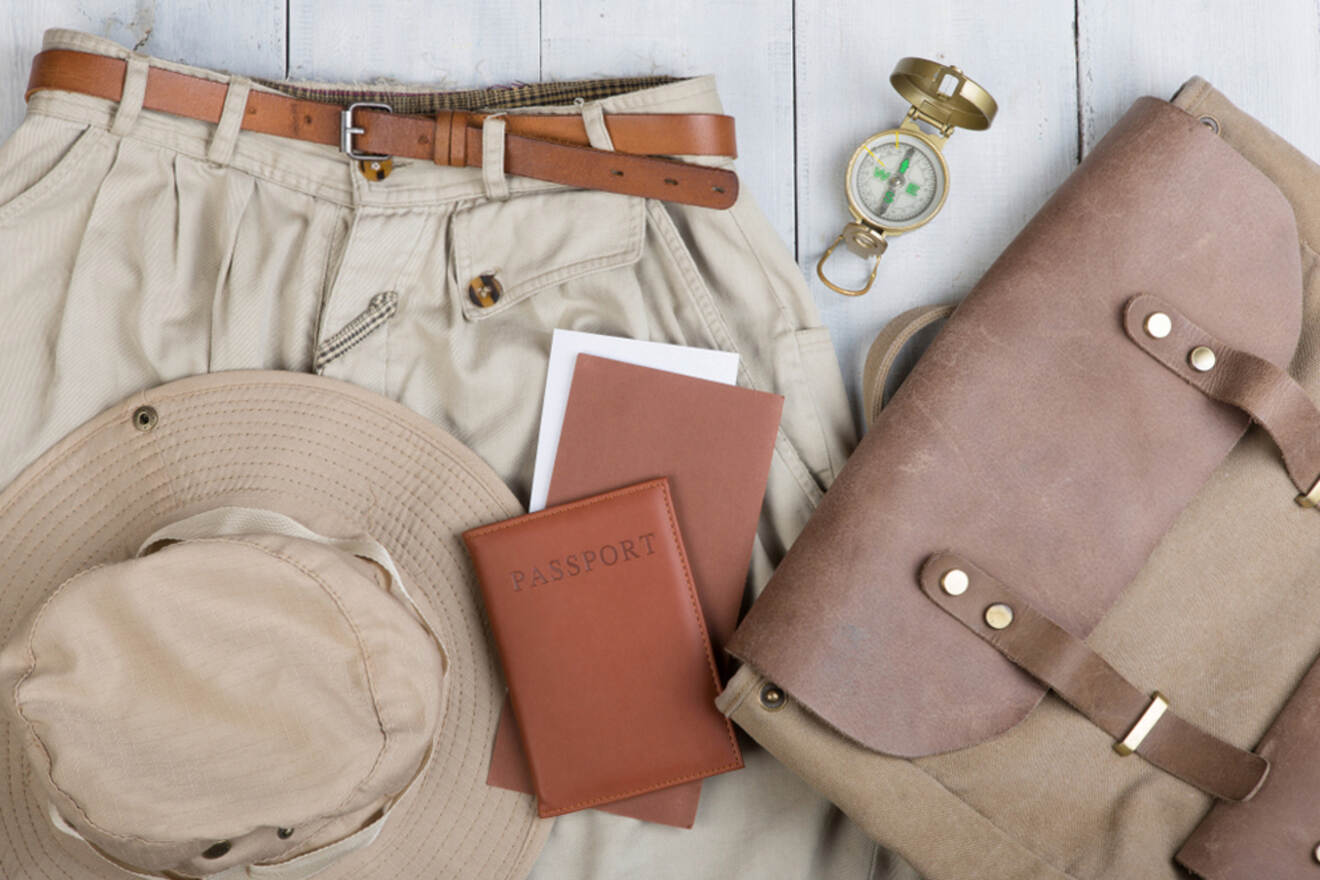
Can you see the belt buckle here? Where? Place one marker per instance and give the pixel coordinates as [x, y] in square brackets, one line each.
[347, 130]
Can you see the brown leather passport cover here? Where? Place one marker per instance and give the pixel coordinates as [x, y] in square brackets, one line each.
[604, 648]
[624, 424]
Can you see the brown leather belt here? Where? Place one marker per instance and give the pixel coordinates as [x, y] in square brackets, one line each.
[551, 148]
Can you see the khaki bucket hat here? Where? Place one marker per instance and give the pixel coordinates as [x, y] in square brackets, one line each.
[240, 637]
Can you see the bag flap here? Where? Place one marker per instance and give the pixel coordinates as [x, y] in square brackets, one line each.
[1034, 438]
[1276, 834]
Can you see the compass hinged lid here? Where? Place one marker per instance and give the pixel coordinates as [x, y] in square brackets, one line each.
[966, 105]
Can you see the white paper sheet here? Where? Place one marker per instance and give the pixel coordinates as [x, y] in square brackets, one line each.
[701, 363]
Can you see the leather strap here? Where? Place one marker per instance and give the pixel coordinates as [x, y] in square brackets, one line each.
[552, 148]
[1087, 682]
[884, 351]
[1263, 390]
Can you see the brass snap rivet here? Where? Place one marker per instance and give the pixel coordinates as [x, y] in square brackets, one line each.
[1202, 359]
[284, 833]
[219, 850]
[772, 697]
[998, 616]
[1210, 122]
[485, 290]
[955, 582]
[145, 418]
[1158, 325]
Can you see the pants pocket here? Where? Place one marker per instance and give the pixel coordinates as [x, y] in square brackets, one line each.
[40, 161]
[820, 405]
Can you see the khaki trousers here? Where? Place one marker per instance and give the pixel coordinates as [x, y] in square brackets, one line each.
[142, 248]
[1220, 619]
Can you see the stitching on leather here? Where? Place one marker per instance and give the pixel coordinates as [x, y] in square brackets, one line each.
[696, 609]
[521, 521]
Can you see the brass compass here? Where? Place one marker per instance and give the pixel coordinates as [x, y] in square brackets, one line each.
[897, 180]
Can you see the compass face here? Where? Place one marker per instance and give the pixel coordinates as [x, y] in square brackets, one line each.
[897, 180]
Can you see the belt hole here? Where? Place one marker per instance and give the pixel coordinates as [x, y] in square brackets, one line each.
[718, 189]
[616, 172]
[671, 181]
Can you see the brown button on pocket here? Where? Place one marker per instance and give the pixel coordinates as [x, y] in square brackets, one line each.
[538, 241]
[485, 290]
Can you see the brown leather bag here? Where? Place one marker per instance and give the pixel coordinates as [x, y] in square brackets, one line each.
[1052, 611]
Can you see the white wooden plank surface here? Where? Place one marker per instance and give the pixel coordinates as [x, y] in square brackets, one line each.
[199, 32]
[807, 82]
[1265, 57]
[748, 46]
[452, 45]
[1023, 53]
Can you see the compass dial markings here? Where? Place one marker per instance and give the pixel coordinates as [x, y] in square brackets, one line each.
[897, 183]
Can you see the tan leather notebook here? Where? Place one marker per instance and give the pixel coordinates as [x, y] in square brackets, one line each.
[604, 648]
[626, 423]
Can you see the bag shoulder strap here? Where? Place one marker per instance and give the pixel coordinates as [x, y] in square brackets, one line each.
[885, 350]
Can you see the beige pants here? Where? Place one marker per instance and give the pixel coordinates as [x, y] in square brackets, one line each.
[142, 248]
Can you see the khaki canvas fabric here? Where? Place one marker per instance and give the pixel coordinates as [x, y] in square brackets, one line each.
[251, 612]
[1211, 621]
[145, 248]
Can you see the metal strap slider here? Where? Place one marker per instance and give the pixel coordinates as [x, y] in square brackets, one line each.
[1145, 724]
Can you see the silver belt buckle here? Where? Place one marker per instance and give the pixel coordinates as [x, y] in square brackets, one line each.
[347, 130]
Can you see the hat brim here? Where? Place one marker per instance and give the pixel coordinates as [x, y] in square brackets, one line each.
[342, 461]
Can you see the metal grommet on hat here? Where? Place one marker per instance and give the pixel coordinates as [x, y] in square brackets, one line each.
[284, 555]
[144, 418]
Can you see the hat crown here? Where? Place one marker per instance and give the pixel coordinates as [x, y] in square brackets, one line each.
[224, 690]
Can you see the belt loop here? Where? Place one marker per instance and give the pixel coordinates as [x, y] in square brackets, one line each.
[593, 118]
[130, 99]
[440, 140]
[221, 149]
[492, 157]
